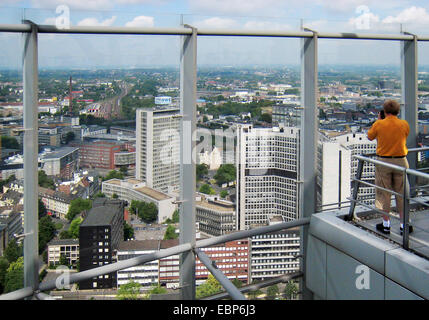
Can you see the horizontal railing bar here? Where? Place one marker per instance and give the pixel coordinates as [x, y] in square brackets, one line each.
[259, 285]
[17, 294]
[372, 208]
[232, 290]
[205, 32]
[409, 150]
[44, 296]
[378, 187]
[381, 163]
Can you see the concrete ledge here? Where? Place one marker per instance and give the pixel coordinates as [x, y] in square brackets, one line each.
[357, 243]
[408, 270]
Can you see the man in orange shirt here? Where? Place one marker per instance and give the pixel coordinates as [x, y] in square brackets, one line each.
[391, 134]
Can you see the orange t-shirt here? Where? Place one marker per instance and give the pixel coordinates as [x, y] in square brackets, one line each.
[391, 134]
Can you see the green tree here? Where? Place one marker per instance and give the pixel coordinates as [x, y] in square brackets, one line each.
[201, 170]
[13, 251]
[170, 233]
[74, 227]
[156, 290]
[291, 290]
[14, 279]
[205, 188]
[113, 174]
[46, 232]
[77, 206]
[272, 292]
[45, 181]
[266, 117]
[210, 287]
[69, 137]
[42, 209]
[226, 173]
[128, 231]
[9, 142]
[147, 211]
[224, 193]
[129, 291]
[4, 265]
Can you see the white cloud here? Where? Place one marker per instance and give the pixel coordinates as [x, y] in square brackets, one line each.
[410, 15]
[94, 22]
[216, 23]
[75, 4]
[365, 21]
[141, 21]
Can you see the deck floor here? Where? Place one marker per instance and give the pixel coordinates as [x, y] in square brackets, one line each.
[419, 238]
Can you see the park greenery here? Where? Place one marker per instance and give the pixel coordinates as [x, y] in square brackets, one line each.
[147, 211]
[11, 268]
[225, 174]
[207, 189]
[77, 206]
[45, 181]
[114, 174]
[170, 233]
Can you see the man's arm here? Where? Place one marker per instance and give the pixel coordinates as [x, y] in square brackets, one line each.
[372, 133]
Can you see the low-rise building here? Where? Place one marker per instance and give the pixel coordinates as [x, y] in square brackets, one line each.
[215, 217]
[68, 248]
[133, 189]
[275, 253]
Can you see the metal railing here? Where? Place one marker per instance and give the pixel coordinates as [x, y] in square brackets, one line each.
[132, 262]
[405, 194]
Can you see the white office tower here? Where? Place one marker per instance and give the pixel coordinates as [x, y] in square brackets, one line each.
[267, 173]
[158, 148]
[337, 168]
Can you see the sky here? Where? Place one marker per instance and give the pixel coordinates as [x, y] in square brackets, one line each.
[89, 51]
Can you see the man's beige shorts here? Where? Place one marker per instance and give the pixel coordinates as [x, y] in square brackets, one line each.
[392, 180]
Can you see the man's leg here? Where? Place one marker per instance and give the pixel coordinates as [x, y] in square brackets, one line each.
[398, 186]
[383, 178]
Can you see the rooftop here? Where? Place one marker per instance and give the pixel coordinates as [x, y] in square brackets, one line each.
[102, 212]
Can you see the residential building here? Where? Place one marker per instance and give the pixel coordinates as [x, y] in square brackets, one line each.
[68, 248]
[158, 148]
[99, 237]
[57, 203]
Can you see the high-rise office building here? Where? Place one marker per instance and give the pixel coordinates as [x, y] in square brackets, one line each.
[337, 168]
[158, 148]
[267, 174]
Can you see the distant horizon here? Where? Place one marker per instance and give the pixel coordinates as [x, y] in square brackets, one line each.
[209, 66]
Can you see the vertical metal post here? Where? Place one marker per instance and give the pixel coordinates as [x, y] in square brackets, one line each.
[30, 80]
[188, 98]
[406, 215]
[356, 185]
[308, 143]
[409, 98]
